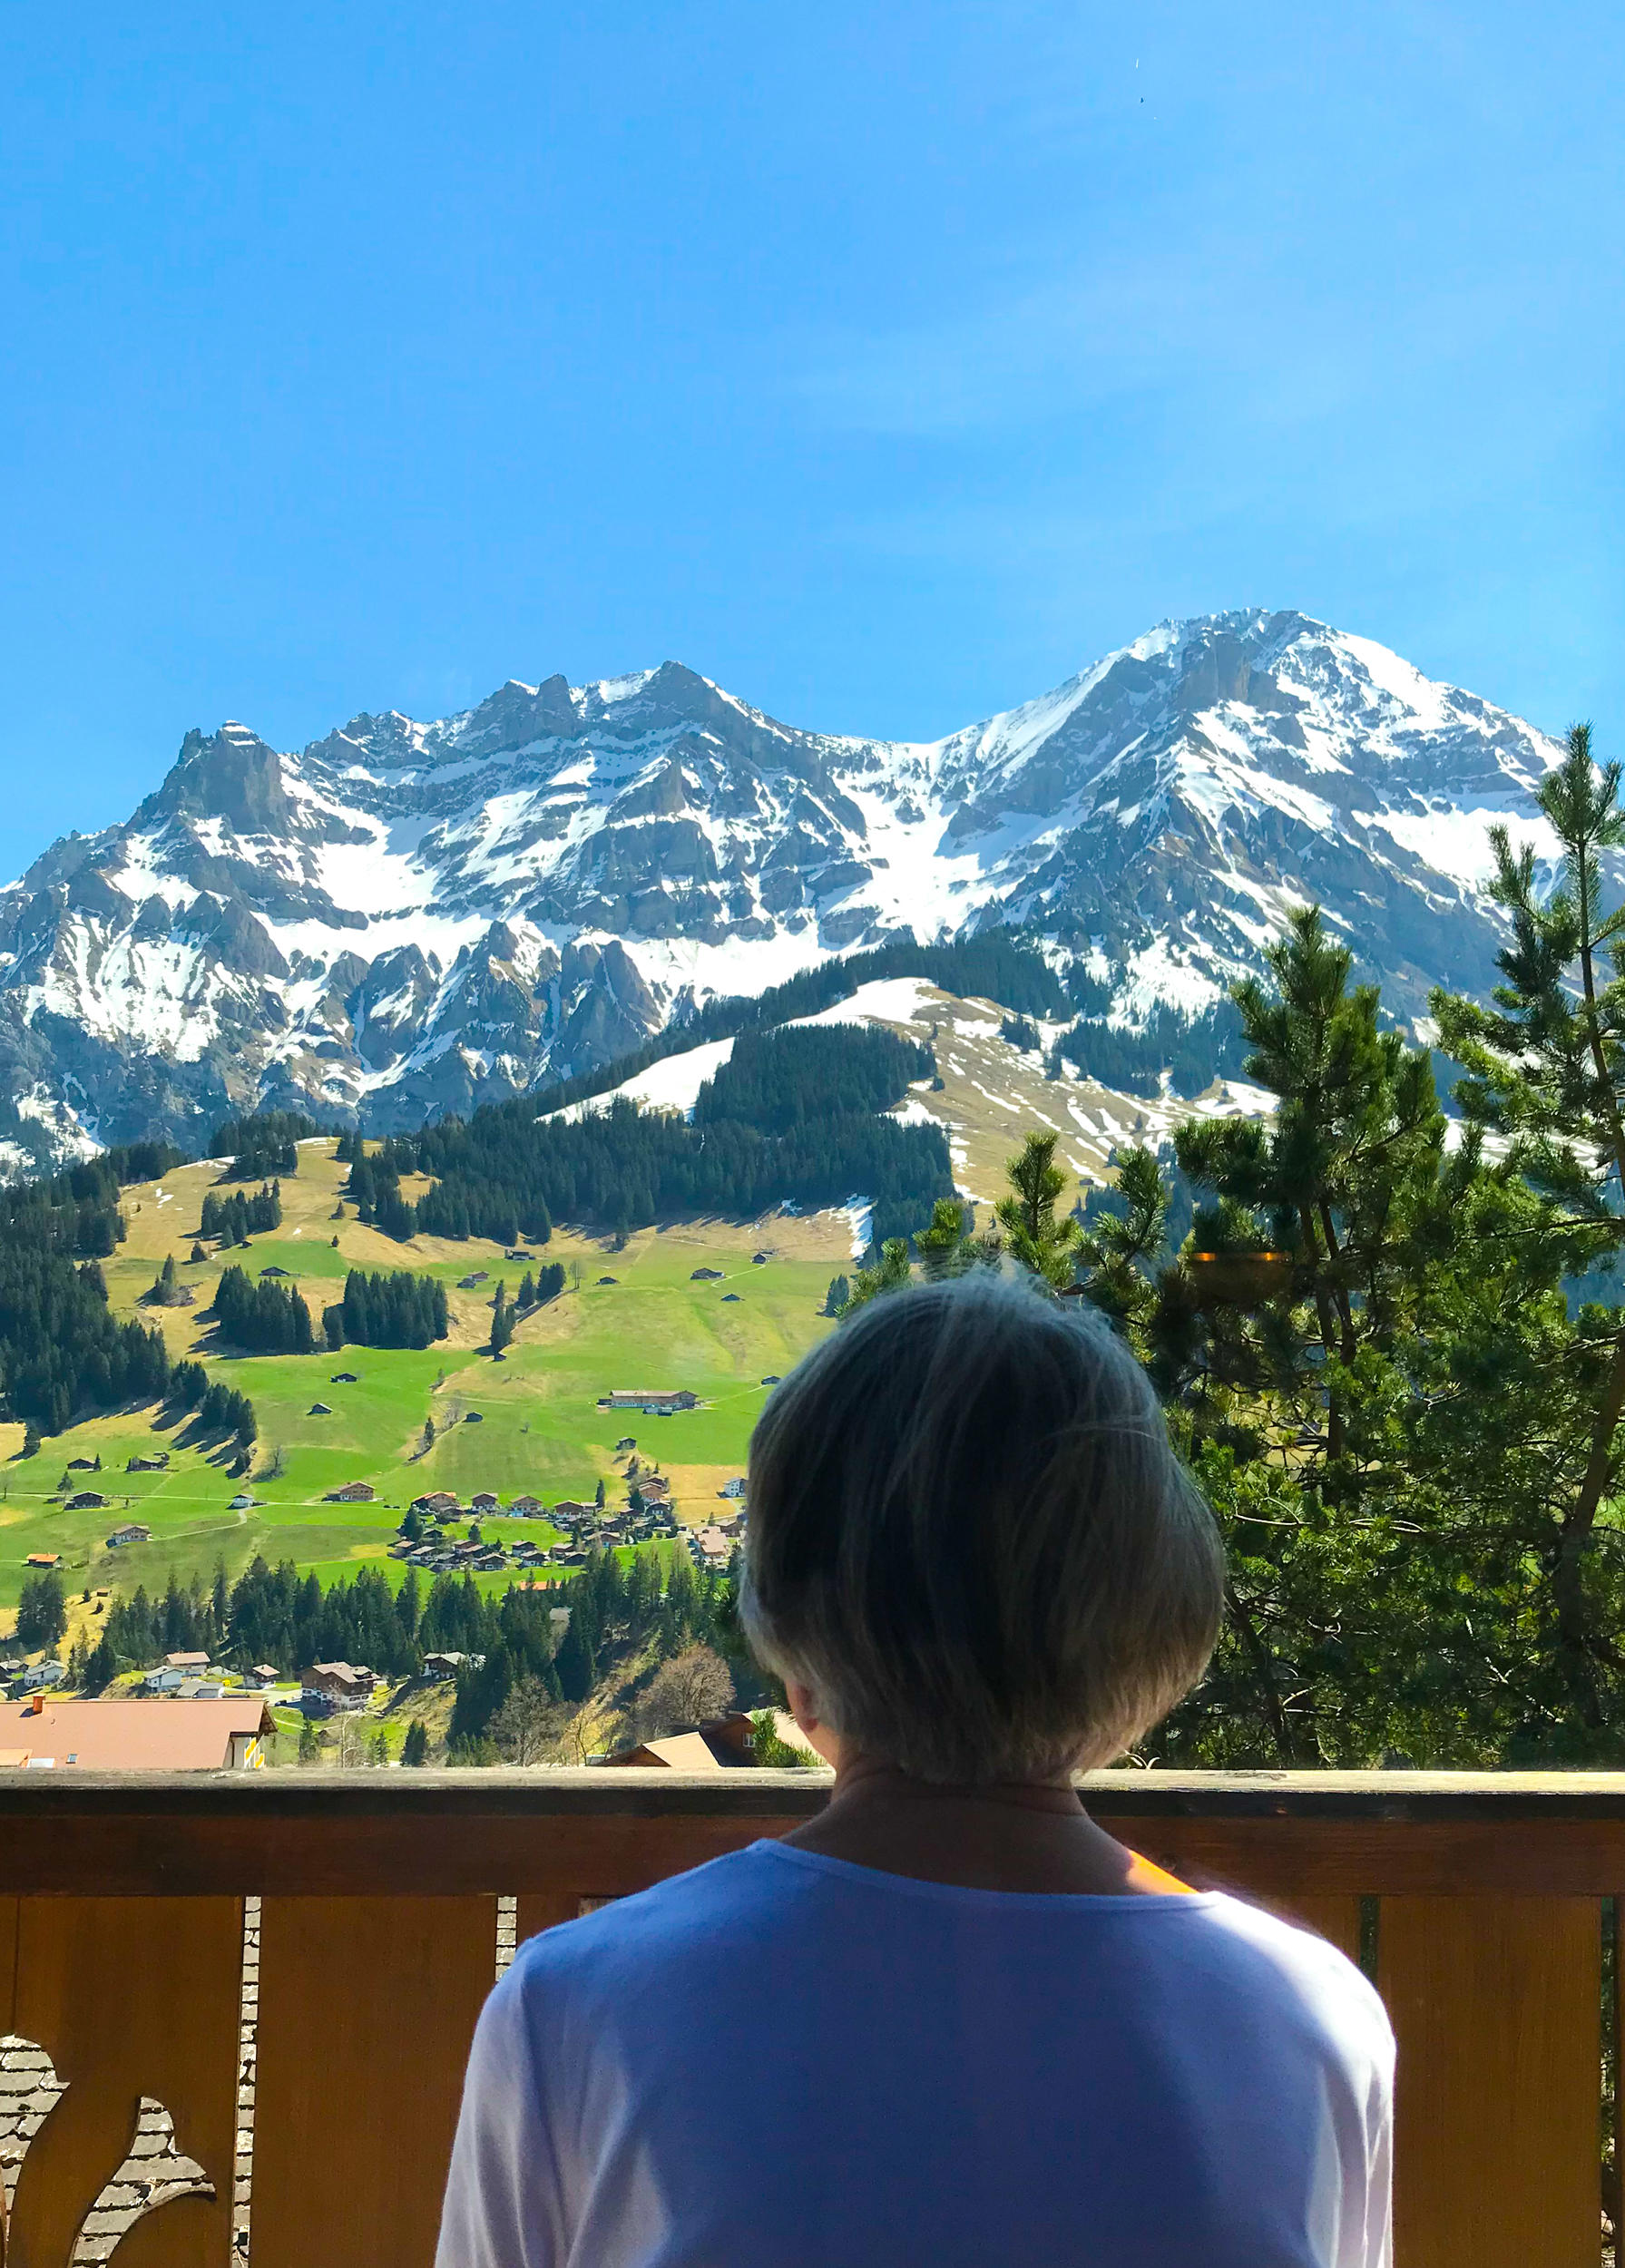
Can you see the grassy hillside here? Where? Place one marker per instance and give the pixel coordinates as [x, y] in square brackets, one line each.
[528, 1424]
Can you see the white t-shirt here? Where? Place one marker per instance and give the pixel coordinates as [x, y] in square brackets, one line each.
[782, 2061]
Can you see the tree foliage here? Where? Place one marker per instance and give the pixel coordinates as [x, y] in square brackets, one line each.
[394, 1309]
[261, 1145]
[1409, 1428]
[801, 1121]
[60, 1346]
[267, 1318]
[42, 1612]
[237, 1217]
[689, 1689]
[1035, 1238]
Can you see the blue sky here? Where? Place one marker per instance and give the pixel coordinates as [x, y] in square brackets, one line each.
[885, 364]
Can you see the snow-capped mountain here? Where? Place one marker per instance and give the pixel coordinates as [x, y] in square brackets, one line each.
[405, 918]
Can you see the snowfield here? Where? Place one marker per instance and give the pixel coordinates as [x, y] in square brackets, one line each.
[406, 918]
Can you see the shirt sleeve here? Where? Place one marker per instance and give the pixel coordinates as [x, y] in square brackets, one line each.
[503, 2208]
[1379, 2165]
[1366, 2224]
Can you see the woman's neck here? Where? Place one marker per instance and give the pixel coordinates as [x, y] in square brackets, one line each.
[1019, 1835]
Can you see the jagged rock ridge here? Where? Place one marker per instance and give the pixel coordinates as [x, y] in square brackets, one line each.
[405, 919]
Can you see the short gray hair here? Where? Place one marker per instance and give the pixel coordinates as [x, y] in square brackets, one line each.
[969, 1535]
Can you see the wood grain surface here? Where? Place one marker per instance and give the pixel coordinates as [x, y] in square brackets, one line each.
[366, 2009]
[550, 1833]
[1495, 2003]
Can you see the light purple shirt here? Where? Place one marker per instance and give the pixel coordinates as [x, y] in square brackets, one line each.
[782, 2061]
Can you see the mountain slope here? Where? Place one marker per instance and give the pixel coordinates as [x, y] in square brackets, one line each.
[406, 918]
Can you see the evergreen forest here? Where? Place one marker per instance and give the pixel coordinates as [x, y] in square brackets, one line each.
[254, 1148]
[265, 1318]
[235, 1218]
[797, 1121]
[288, 1620]
[61, 1347]
[395, 1309]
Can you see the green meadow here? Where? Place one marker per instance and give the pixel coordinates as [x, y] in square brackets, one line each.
[527, 1424]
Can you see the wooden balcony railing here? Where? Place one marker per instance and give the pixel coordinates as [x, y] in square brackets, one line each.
[234, 2009]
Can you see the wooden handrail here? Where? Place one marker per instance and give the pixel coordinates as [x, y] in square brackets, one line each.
[368, 1832]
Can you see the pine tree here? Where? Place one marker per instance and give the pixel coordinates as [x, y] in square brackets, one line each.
[1546, 1071]
[1035, 1238]
[407, 1599]
[165, 1292]
[574, 1662]
[1121, 1247]
[42, 1612]
[892, 1274]
[415, 1751]
[309, 1747]
[941, 1245]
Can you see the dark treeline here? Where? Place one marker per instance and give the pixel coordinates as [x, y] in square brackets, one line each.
[42, 1612]
[1194, 1049]
[235, 1218]
[777, 1080]
[535, 1291]
[255, 1147]
[267, 1317]
[613, 1605]
[397, 1309]
[60, 1346]
[77, 1212]
[141, 1630]
[996, 965]
[513, 1174]
[278, 1617]
[220, 1409]
[375, 1184]
[269, 1614]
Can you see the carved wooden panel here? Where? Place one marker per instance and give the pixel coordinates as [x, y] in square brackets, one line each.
[124, 2016]
[366, 2009]
[30, 2089]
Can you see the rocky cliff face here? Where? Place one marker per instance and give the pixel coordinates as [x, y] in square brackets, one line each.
[405, 919]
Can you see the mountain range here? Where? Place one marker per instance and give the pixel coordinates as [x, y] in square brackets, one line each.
[406, 919]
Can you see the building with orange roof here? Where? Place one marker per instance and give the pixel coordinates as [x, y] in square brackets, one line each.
[226, 1736]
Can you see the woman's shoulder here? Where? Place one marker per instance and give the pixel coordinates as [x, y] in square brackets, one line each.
[706, 1906]
[1295, 1966]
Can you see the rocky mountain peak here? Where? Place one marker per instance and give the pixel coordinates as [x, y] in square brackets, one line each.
[231, 775]
[408, 917]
